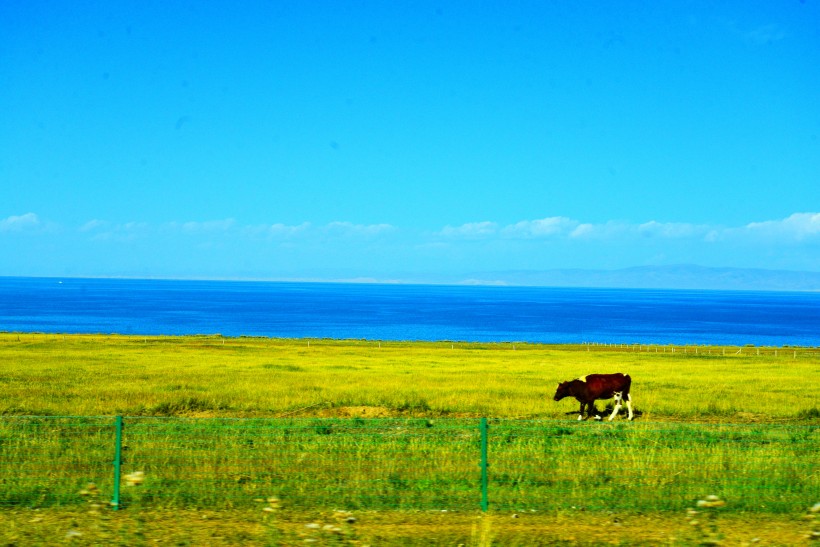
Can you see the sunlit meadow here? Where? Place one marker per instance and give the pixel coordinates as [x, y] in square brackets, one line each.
[387, 433]
[46, 374]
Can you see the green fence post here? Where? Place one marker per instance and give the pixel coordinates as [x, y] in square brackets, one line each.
[483, 428]
[115, 500]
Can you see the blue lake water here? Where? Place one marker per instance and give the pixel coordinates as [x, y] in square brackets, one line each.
[408, 312]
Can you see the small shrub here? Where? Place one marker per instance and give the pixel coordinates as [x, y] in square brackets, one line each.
[809, 414]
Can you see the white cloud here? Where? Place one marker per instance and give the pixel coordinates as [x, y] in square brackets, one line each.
[652, 229]
[472, 229]
[210, 226]
[286, 230]
[306, 229]
[95, 224]
[134, 227]
[583, 230]
[671, 229]
[545, 227]
[607, 230]
[276, 230]
[19, 223]
[349, 228]
[106, 231]
[798, 227]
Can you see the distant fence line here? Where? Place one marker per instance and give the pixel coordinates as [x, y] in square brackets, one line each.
[454, 464]
[710, 350]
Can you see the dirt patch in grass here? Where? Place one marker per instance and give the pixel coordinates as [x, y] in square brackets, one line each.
[358, 411]
[78, 526]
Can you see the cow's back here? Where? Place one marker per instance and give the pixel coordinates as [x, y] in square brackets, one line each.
[604, 385]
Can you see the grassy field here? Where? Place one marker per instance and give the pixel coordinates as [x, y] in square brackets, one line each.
[411, 463]
[388, 431]
[45, 374]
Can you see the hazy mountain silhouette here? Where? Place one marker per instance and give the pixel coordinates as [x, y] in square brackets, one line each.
[659, 277]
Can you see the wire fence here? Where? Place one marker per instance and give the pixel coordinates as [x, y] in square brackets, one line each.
[452, 464]
[783, 352]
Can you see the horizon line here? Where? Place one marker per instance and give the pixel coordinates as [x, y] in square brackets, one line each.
[496, 279]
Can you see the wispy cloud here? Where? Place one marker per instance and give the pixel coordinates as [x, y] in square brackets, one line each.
[563, 227]
[766, 34]
[608, 230]
[470, 230]
[761, 35]
[95, 224]
[797, 227]
[105, 230]
[276, 230]
[349, 228]
[545, 227]
[673, 230]
[207, 227]
[19, 223]
[792, 242]
[280, 229]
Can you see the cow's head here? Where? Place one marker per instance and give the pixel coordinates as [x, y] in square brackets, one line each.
[562, 391]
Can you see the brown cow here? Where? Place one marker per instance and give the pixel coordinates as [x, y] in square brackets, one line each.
[597, 386]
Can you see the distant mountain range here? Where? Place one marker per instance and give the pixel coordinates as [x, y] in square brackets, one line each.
[658, 277]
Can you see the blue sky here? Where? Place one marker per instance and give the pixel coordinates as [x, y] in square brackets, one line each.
[406, 141]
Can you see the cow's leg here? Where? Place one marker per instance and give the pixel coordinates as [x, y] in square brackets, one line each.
[581, 412]
[618, 397]
[594, 411]
[629, 404]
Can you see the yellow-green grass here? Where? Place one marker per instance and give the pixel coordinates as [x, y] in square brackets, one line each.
[400, 463]
[738, 422]
[46, 374]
